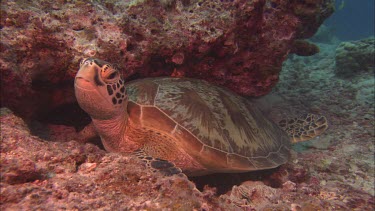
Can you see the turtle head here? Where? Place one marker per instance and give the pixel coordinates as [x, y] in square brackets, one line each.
[99, 89]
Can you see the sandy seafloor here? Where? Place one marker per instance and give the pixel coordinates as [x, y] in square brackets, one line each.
[335, 171]
[342, 158]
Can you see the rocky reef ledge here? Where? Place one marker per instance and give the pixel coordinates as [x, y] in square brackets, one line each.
[66, 175]
[238, 44]
[41, 175]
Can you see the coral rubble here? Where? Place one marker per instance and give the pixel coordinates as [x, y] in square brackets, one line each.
[340, 163]
[354, 57]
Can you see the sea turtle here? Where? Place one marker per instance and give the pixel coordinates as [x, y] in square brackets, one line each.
[183, 123]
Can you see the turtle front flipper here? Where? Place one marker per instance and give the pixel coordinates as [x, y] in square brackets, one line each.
[87, 133]
[304, 127]
[156, 164]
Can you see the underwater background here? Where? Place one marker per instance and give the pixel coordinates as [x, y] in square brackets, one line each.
[352, 20]
[291, 57]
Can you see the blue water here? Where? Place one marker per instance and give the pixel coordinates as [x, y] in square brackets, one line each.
[354, 21]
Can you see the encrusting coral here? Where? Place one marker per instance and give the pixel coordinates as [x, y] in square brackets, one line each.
[237, 44]
[353, 58]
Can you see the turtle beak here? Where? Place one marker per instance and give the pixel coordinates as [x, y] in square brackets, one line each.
[85, 77]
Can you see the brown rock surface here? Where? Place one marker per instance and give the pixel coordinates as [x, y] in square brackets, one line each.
[41, 175]
[237, 44]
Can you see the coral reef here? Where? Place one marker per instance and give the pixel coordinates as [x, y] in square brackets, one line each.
[40, 175]
[237, 44]
[355, 57]
[44, 167]
[332, 172]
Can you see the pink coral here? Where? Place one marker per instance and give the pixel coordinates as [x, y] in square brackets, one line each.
[237, 44]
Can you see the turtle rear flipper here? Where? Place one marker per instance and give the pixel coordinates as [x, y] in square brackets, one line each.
[156, 164]
[304, 127]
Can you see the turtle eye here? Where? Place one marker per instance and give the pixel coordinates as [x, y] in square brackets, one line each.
[112, 75]
[109, 74]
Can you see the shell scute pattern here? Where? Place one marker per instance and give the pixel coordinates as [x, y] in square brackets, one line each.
[142, 92]
[191, 143]
[213, 120]
[153, 118]
[189, 107]
[239, 162]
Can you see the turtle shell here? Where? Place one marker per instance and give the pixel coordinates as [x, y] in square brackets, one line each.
[218, 128]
